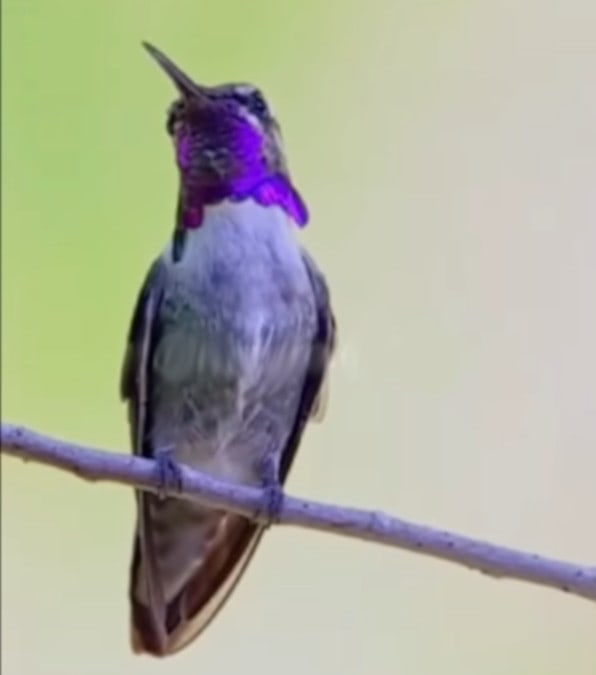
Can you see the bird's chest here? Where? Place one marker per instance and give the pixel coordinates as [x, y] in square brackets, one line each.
[237, 322]
[240, 271]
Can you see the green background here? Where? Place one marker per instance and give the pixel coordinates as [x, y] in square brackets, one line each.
[447, 152]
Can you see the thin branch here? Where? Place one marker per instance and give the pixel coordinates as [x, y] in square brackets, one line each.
[496, 561]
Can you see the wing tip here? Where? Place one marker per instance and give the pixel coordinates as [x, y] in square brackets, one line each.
[147, 645]
[146, 640]
[210, 594]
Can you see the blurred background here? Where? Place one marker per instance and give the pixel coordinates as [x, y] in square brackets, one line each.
[447, 152]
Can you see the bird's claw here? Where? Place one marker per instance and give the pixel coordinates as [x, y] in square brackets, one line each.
[272, 504]
[169, 474]
[273, 495]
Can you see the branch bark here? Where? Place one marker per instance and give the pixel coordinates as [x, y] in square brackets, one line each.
[496, 561]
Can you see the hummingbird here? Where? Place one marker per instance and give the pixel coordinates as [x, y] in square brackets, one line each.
[227, 356]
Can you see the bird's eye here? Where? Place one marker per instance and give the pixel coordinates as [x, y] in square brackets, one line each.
[175, 114]
[257, 105]
[171, 121]
[252, 101]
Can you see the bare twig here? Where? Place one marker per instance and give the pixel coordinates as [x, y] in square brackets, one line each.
[497, 561]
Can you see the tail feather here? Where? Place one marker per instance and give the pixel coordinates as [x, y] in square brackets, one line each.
[229, 549]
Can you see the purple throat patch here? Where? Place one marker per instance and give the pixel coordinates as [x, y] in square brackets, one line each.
[275, 190]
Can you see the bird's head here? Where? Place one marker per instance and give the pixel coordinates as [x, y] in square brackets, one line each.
[228, 144]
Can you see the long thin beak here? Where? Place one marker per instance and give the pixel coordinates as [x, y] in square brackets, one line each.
[183, 83]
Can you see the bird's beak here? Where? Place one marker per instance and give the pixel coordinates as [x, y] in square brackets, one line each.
[183, 83]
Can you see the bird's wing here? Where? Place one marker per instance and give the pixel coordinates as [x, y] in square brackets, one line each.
[134, 384]
[315, 389]
[135, 389]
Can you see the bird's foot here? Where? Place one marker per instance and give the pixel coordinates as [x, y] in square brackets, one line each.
[273, 495]
[169, 473]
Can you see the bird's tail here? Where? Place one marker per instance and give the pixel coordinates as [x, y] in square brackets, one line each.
[186, 561]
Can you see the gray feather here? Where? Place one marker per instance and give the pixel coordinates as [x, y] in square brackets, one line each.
[228, 351]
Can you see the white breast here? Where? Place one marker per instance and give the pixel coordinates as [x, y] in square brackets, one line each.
[241, 233]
